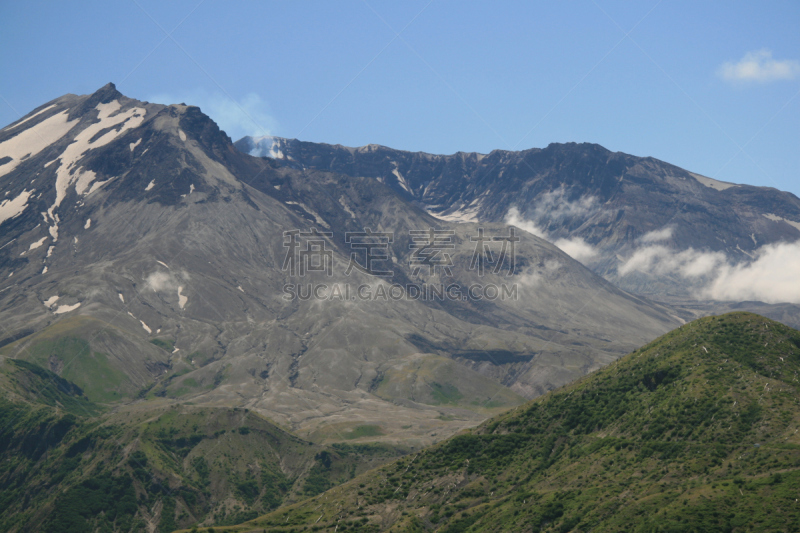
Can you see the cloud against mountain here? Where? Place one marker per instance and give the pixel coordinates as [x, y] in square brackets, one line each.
[556, 207]
[759, 66]
[658, 235]
[770, 277]
[575, 247]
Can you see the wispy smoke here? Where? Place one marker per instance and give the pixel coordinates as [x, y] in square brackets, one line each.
[161, 281]
[249, 115]
[553, 207]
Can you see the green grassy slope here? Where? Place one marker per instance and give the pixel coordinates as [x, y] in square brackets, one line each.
[77, 349]
[21, 381]
[697, 431]
[69, 467]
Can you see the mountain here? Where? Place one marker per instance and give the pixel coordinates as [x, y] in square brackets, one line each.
[145, 259]
[648, 226]
[69, 465]
[697, 431]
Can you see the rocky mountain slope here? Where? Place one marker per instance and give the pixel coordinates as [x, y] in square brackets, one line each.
[697, 431]
[646, 225]
[144, 256]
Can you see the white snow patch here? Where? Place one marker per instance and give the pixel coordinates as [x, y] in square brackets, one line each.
[85, 179]
[175, 350]
[37, 244]
[146, 327]
[109, 117]
[50, 251]
[714, 184]
[776, 218]
[51, 301]
[344, 205]
[182, 135]
[66, 308]
[463, 214]
[400, 179]
[134, 145]
[191, 188]
[33, 140]
[14, 208]
[30, 117]
[88, 223]
[121, 297]
[150, 185]
[44, 270]
[745, 252]
[181, 298]
[97, 184]
[162, 263]
[240, 288]
[319, 220]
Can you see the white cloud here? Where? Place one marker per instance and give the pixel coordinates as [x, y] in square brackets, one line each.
[166, 281]
[554, 206]
[575, 247]
[161, 281]
[759, 66]
[773, 277]
[660, 260]
[249, 115]
[516, 219]
[657, 235]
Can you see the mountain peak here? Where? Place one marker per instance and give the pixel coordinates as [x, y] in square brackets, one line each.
[105, 94]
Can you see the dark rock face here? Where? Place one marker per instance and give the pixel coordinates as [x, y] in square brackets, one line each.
[613, 202]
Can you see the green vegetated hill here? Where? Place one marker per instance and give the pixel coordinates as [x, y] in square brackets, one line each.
[69, 467]
[697, 431]
[79, 349]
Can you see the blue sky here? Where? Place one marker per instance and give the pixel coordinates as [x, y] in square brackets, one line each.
[709, 86]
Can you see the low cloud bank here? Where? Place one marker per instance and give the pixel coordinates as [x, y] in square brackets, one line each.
[772, 276]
